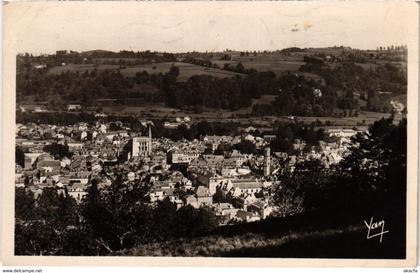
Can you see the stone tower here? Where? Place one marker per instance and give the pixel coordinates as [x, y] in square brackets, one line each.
[267, 162]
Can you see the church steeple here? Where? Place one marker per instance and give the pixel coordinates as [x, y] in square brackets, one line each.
[150, 132]
[150, 140]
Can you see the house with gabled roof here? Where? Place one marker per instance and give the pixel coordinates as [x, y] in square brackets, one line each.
[77, 191]
[246, 216]
[261, 208]
[79, 177]
[204, 197]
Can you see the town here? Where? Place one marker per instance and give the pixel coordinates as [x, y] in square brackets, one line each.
[236, 186]
[251, 130]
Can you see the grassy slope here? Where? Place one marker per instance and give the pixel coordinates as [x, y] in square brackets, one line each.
[309, 235]
[186, 70]
[278, 63]
[246, 245]
[351, 243]
[80, 67]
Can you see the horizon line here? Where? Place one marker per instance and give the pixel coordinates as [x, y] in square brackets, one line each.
[208, 51]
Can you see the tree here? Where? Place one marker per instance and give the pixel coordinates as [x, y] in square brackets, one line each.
[24, 204]
[208, 150]
[142, 77]
[57, 209]
[372, 175]
[118, 217]
[43, 230]
[174, 71]
[282, 145]
[239, 68]
[56, 103]
[262, 109]
[113, 126]
[19, 156]
[245, 147]
[303, 109]
[376, 165]
[288, 201]
[35, 238]
[185, 222]
[307, 187]
[96, 216]
[164, 216]
[226, 57]
[223, 149]
[284, 104]
[59, 151]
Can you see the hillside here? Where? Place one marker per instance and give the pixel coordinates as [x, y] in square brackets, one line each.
[186, 70]
[95, 51]
[350, 81]
[327, 235]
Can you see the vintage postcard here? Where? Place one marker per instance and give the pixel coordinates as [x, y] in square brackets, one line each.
[210, 133]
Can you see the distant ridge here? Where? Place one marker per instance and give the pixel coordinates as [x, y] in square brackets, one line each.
[95, 51]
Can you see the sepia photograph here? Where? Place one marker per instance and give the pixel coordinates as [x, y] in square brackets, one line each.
[211, 129]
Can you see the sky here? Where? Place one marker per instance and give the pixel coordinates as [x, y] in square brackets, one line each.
[37, 27]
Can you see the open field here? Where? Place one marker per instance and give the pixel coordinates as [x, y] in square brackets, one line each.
[186, 70]
[80, 68]
[278, 63]
[160, 111]
[365, 118]
[101, 60]
[367, 66]
[265, 99]
[278, 67]
[275, 66]
[336, 51]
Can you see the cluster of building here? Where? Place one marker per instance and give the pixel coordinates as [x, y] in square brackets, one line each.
[235, 186]
[178, 122]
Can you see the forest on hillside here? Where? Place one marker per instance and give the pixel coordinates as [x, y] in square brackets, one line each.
[345, 86]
